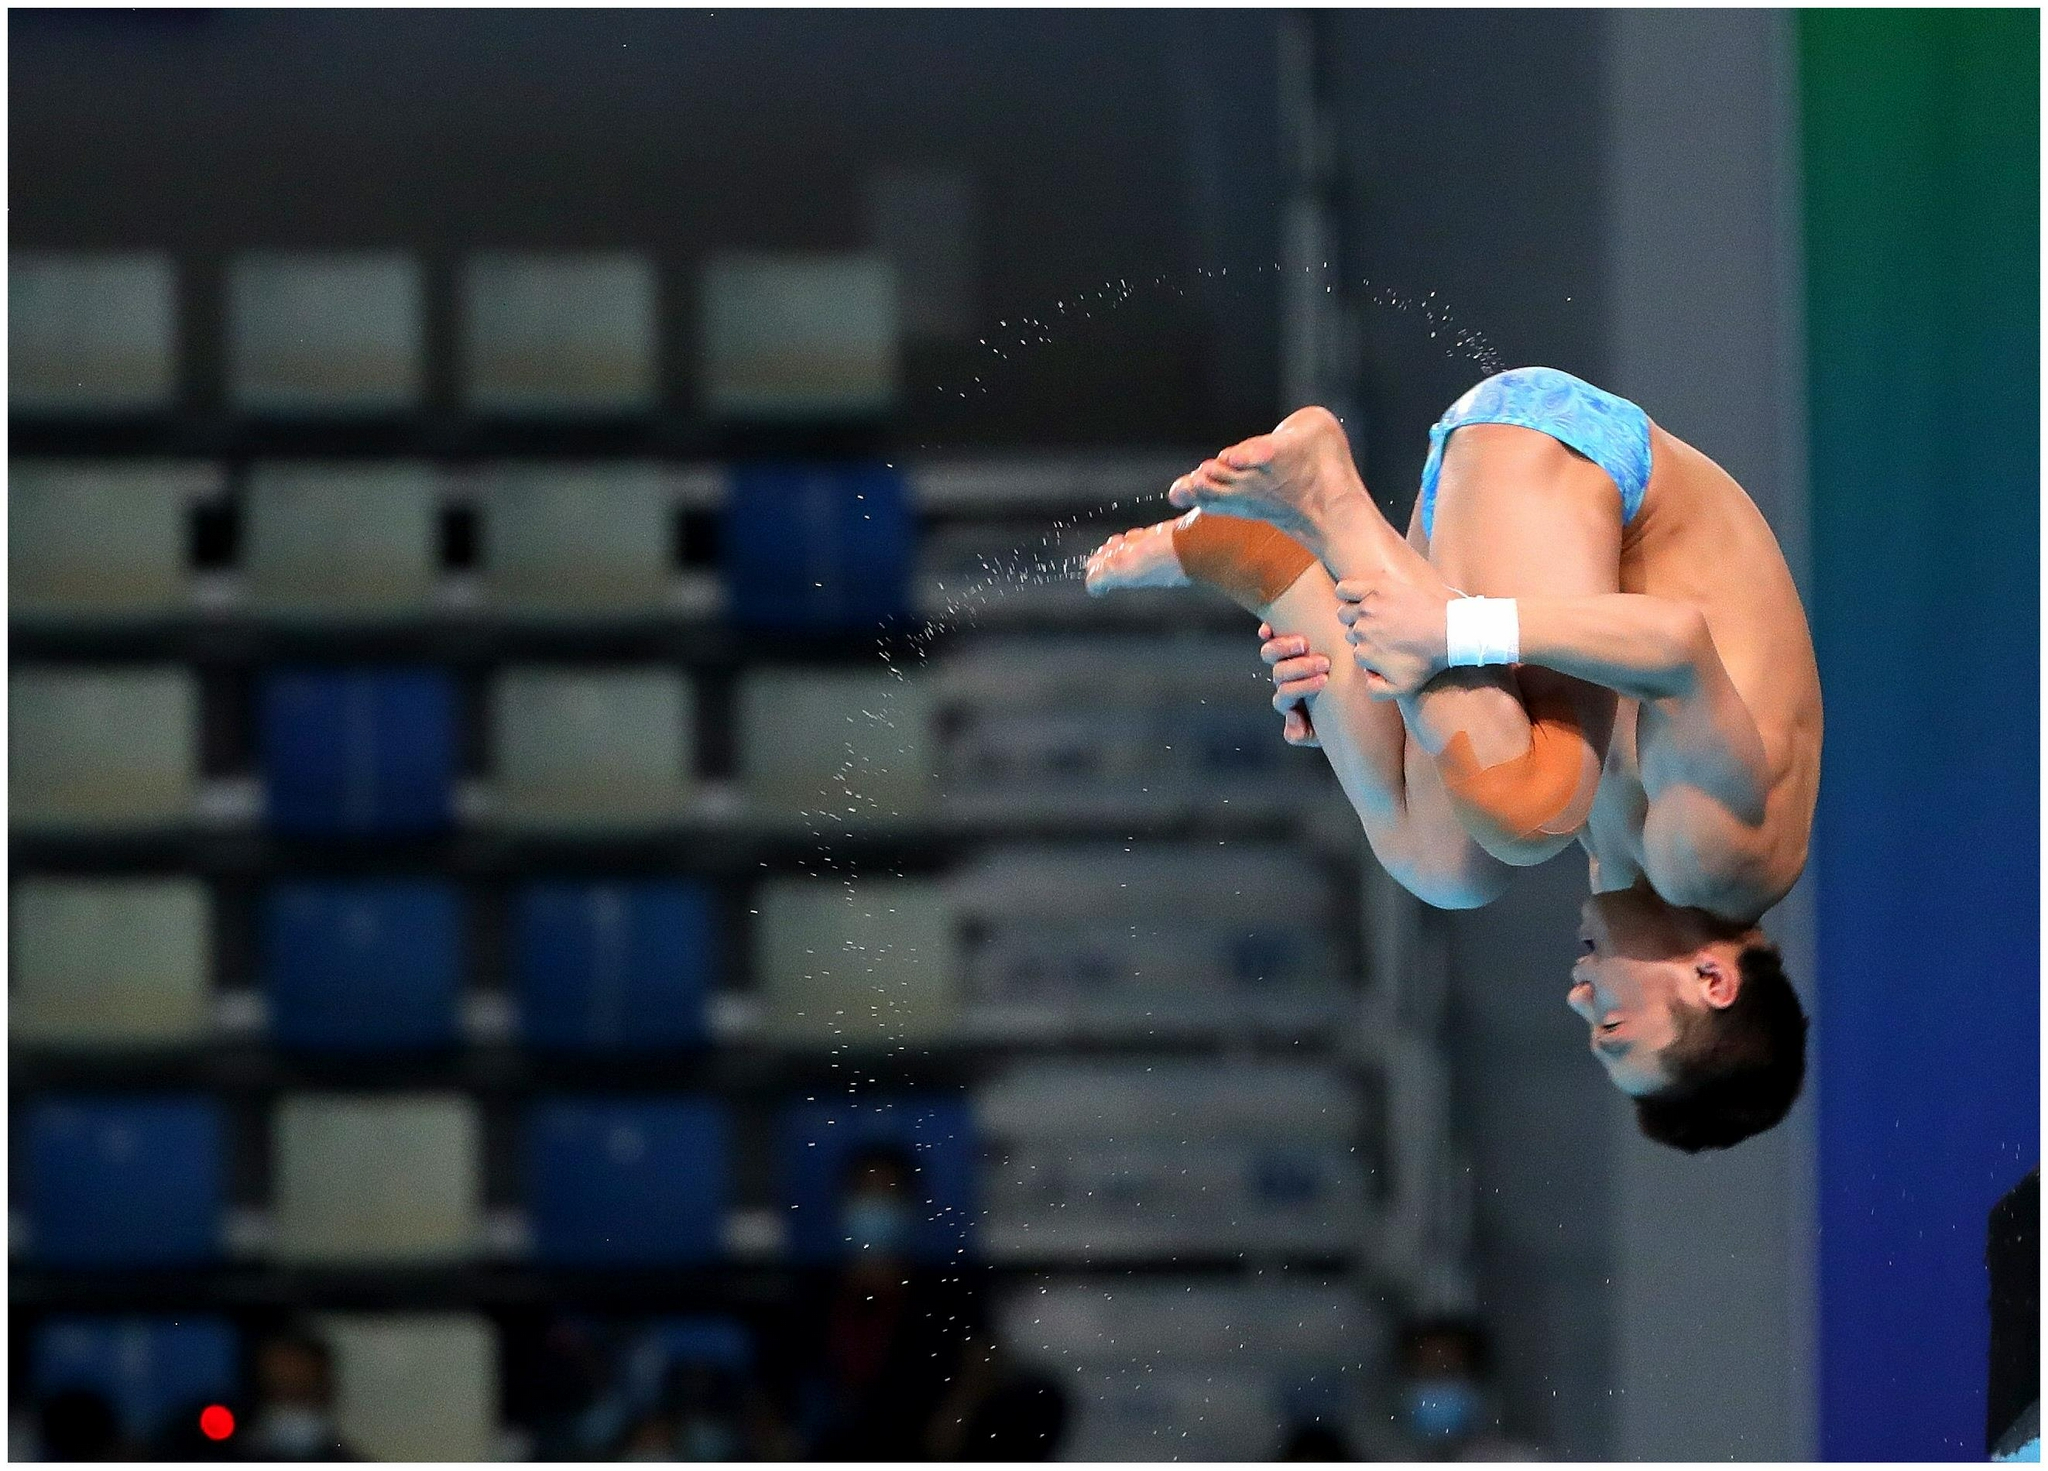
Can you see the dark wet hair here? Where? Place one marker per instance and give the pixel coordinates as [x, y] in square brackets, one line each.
[1735, 1071]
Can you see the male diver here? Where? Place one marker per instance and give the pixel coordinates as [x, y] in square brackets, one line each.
[1589, 632]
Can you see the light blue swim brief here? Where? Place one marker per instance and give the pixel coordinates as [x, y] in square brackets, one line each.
[1611, 432]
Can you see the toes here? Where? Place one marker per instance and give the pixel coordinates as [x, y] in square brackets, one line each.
[1251, 454]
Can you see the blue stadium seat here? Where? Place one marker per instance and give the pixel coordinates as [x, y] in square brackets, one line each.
[621, 1183]
[816, 1141]
[612, 966]
[148, 1369]
[127, 1182]
[362, 966]
[358, 750]
[721, 1343]
[818, 547]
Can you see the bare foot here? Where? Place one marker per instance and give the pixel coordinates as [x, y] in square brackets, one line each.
[1140, 558]
[1301, 479]
[1290, 478]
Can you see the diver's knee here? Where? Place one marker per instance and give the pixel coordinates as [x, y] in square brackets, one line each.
[1527, 809]
[1516, 852]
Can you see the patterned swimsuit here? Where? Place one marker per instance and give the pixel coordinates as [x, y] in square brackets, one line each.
[1611, 432]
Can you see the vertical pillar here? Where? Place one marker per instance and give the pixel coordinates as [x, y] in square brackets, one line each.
[1713, 1278]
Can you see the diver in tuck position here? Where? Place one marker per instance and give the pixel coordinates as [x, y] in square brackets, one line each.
[1589, 633]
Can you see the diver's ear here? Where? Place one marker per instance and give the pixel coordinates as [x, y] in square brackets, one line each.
[1719, 981]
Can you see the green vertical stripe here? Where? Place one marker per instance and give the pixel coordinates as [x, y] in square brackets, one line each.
[1921, 159]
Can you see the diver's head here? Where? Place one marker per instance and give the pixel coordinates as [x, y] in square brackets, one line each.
[1692, 1017]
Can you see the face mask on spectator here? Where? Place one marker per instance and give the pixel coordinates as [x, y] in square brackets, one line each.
[708, 1440]
[295, 1433]
[876, 1224]
[1441, 1409]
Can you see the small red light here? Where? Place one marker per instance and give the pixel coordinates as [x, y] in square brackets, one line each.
[216, 1422]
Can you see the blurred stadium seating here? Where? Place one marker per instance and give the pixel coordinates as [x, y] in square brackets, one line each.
[491, 915]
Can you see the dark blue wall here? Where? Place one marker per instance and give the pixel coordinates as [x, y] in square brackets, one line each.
[1923, 227]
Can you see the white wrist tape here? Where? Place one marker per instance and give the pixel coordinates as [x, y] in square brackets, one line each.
[1482, 631]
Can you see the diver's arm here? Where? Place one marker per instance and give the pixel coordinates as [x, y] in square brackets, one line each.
[1660, 652]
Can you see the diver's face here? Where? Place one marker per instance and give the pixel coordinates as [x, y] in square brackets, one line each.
[1634, 970]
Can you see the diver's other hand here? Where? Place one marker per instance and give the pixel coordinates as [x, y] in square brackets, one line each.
[1298, 675]
[1395, 624]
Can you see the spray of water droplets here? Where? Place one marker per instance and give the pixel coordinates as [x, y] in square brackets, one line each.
[883, 995]
[850, 807]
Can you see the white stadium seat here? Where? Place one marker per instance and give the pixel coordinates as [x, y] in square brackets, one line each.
[101, 537]
[325, 334]
[342, 539]
[592, 747]
[860, 963]
[376, 1178]
[111, 962]
[799, 336]
[852, 744]
[576, 538]
[559, 335]
[415, 1386]
[91, 334]
[102, 747]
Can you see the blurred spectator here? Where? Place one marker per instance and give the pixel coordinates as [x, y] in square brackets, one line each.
[874, 1345]
[1448, 1408]
[183, 1437]
[294, 1416]
[707, 1406]
[701, 1416]
[80, 1425]
[1315, 1441]
[651, 1438]
[557, 1381]
[1013, 1416]
[613, 1389]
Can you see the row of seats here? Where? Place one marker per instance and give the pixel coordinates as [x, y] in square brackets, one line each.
[377, 1179]
[373, 749]
[821, 546]
[408, 1386]
[1049, 1159]
[355, 965]
[381, 965]
[541, 336]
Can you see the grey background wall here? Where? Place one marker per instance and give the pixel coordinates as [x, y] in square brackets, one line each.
[1476, 145]
[1713, 1330]
[1085, 156]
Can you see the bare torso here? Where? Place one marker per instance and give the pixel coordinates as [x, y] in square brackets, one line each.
[1699, 539]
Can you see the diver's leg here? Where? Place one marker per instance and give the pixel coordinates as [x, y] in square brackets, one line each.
[1518, 514]
[1389, 780]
